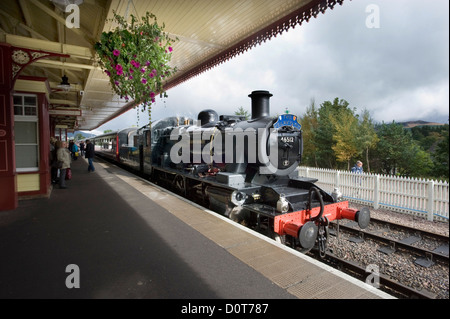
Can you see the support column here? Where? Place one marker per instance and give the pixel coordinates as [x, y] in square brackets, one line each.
[8, 194]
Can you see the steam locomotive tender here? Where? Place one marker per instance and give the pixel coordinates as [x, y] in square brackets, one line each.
[243, 169]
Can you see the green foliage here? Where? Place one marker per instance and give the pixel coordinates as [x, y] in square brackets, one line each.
[429, 136]
[345, 137]
[334, 136]
[136, 58]
[310, 122]
[367, 137]
[242, 112]
[329, 113]
[441, 156]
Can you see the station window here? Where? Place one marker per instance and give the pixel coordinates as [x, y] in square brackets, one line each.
[26, 132]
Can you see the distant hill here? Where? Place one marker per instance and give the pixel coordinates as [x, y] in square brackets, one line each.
[86, 135]
[411, 124]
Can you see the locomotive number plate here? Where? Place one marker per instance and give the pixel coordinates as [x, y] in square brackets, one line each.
[287, 139]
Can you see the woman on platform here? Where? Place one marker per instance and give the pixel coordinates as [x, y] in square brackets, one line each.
[63, 155]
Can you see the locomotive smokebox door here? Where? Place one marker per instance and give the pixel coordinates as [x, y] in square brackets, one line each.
[289, 149]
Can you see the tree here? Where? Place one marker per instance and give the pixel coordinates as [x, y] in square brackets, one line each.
[441, 156]
[367, 136]
[309, 124]
[330, 113]
[420, 163]
[345, 137]
[242, 112]
[400, 154]
[390, 147]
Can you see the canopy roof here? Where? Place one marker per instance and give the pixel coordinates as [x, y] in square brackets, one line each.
[210, 32]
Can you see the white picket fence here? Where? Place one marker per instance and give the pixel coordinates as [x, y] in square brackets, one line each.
[424, 198]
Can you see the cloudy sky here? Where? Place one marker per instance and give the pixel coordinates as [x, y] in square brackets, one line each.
[398, 68]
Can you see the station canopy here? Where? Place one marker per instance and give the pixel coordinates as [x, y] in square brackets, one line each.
[210, 32]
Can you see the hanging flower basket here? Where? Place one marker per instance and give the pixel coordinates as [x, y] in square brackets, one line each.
[136, 58]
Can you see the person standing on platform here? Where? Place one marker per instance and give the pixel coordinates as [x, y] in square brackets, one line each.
[71, 147]
[63, 155]
[357, 168]
[75, 151]
[53, 160]
[82, 148]
[90, 153]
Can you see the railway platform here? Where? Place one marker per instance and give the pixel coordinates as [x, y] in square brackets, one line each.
[111, 234]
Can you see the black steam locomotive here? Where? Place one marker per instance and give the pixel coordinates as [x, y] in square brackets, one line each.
[243, 169]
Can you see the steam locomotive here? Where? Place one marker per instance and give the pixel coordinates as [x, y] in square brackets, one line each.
[243, 169]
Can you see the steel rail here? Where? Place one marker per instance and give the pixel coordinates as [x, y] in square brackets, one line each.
[386, 283]
[396, 243]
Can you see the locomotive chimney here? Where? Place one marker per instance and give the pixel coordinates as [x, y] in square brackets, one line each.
[260, 104]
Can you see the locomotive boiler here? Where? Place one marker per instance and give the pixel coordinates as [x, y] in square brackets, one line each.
[243, 169]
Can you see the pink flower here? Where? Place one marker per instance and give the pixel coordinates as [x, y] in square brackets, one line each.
[135, 64]
[143, 70]
[152, 95]
[170, 49]
[120, 72]
[119, 67]
[116, 52]
[144, 80]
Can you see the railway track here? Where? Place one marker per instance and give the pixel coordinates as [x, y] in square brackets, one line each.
[399, 242]
[430, 247]
[382, 281]
[388, 245]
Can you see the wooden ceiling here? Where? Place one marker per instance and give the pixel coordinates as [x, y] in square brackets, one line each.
[210, 32]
